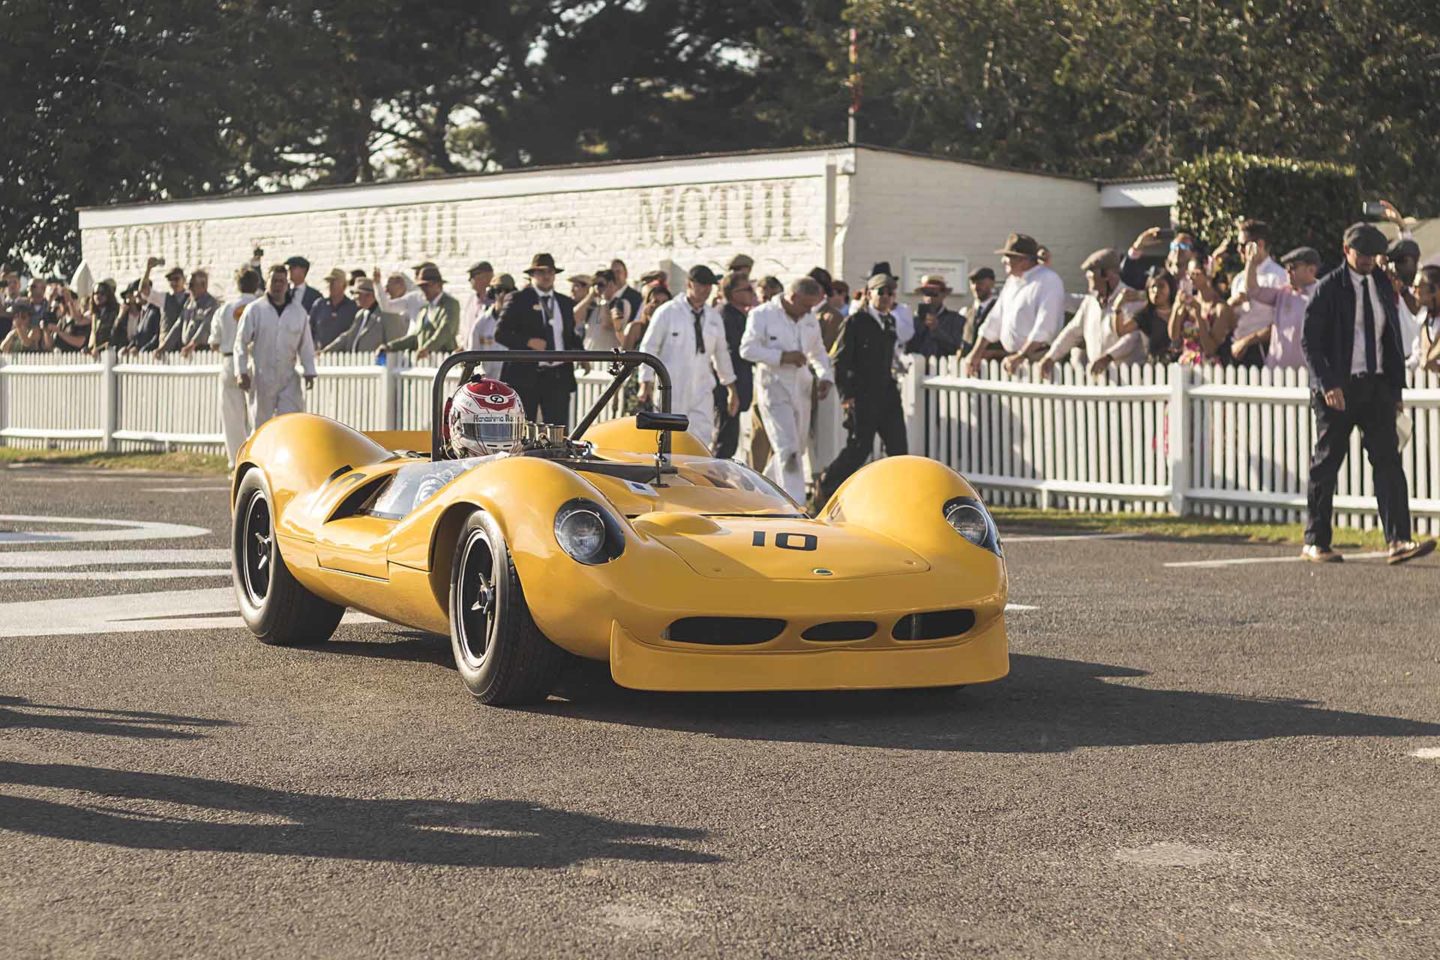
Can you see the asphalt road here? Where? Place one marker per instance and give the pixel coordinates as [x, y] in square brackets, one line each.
[1223, 761]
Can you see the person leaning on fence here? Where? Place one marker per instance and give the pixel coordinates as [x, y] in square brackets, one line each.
[434, 329]
[273, 335]
[477, 301]
[864, 362]
[192, 331]
[171, 304]
[1426, 351]
[982, 301]
[1254, 316]
[1029, 313]
[1357, 371]
[1102, 325]
[334, 313]
[370, 328]
[1288, 302]
[234, 410]
[140, 322]
[25, 335]
[1201, 323]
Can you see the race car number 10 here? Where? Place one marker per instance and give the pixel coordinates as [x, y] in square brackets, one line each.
[787, 541]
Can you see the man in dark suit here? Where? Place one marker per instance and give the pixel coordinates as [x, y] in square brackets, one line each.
[541, 318]
[1357, 370]
[299, 269]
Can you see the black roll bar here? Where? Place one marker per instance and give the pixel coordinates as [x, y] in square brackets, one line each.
[628, 361]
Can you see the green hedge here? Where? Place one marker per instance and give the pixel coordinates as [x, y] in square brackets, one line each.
[1306, 204]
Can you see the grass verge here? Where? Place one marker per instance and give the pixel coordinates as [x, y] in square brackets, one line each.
[1021, 519]
[175, 462]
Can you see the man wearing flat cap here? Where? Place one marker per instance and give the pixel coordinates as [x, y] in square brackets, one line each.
[172, 304]
[1097, 325]
[192, 332]
[1289, 302]
[541, 318]
[304, 294]
[333, 315]
[476, 301]
[1352, 344]
[982, 301]
[939, 331]
[688, 335]
[1029, 312]
[434, 329]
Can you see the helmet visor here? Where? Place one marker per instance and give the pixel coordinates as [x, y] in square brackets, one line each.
[492, 433]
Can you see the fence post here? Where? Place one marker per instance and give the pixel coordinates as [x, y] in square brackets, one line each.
[389, 399]
[1178, 439]
[109, 400]
[912, 403]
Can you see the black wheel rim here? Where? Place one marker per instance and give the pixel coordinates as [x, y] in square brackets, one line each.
[479, 602]
[257, 561]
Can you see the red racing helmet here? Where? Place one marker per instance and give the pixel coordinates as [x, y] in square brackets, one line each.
[483, 417]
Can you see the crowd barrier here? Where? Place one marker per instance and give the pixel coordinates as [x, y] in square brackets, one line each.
[1225, 442]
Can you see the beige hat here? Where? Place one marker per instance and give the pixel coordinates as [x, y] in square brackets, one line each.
[365, 285]
[933, 283]
[337, 274]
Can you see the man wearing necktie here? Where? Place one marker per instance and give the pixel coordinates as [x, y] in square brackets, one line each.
[541, 318]
[1352, 345]
[688, 335]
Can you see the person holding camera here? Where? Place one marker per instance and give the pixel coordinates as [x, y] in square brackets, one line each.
[603, 312]
[25, 335]
[482, 334]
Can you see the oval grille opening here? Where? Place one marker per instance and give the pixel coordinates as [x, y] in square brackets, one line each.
[838, 630]
[934, 624]
[725, 631]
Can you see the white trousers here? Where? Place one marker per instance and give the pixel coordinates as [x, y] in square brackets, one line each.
[270, 399]
[702, 421]
[786, 411]
[234, 410]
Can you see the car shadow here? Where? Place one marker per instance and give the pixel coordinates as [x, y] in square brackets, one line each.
[413, 645]
[1046, 705]
[18, 713]
[153, 811]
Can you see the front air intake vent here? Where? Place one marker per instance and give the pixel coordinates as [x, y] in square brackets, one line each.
[934, 625]
[840, 630]
[725, 631]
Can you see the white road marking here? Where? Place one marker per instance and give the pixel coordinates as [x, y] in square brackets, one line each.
[88, 478]
[1168, 854]
[177, 573]
[119, 530]
[1018, 608]
[1058, 537]
[1296, 558]
[212, 608]
[1426, 753]
[183, 489]
[30, 559]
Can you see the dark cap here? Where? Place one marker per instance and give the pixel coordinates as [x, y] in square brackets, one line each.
[298, 261]
[505, 282]
[984, 273]
[175, 272]
[656, 276]
[431, 274]
[1365, 239]
[702, 274]
[482, 266]
[1302, 255]
[22, 305]
[1021, 245]
[822, 276]
[542, 261]
[740, 262]
[1102, 261]
[880, 281]
[1401, 249]
[422, 265]
[132, 287]
[880, 266]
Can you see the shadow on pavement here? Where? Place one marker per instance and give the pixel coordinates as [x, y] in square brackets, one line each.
[1046, 705]
[154, 811]
[18, 713]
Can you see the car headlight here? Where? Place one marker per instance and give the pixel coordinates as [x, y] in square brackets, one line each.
[968, 517]
[587, 532]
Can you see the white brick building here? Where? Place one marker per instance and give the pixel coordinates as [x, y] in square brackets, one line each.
[842, 208]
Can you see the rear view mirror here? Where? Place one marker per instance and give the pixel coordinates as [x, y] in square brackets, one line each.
[651, 420]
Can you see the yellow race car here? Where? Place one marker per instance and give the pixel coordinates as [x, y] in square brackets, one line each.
[621, 541]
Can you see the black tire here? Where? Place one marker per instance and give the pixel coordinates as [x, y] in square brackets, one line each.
[276, 608]
[499, 652]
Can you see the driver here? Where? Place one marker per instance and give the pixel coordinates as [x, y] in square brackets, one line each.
[483, 417]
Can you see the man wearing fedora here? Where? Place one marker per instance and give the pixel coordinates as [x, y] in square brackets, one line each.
[333, 315]
[1029, 312]
[1352, 345]
[541, 318]
[434, 329]
[939, 331]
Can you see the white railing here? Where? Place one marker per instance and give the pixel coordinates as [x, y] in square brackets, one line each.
[1225, 442]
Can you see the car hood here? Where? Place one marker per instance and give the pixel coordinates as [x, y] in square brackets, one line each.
[777, 548]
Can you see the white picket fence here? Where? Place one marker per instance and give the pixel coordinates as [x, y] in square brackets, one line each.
[1223, 442]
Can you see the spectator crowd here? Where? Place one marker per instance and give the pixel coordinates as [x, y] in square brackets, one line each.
[735, 344]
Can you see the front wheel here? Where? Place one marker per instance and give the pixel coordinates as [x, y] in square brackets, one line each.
[276, 608]
[500, 653]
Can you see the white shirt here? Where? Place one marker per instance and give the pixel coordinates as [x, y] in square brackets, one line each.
[471, 309]
[904, 323]
[557, 322]
[481, 335]
[1253, 316]
[1409, 326]
[769, 332]
[408, 305]
[1030, 309]
[1423, 320]
[671, 337]
[225, 323]
[1357, 355]
[1094, 325]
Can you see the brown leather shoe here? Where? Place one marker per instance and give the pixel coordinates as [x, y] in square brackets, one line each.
[1318, 554]
[1403, 550]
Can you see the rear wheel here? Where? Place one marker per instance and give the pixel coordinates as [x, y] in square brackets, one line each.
[274, 605]
[500, 653]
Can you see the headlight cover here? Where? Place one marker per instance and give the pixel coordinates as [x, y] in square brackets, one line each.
[968, 517]
[587, 532]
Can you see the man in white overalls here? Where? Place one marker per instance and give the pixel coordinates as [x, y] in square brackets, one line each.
[274, 332]
[688, 335]
[783, 339]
